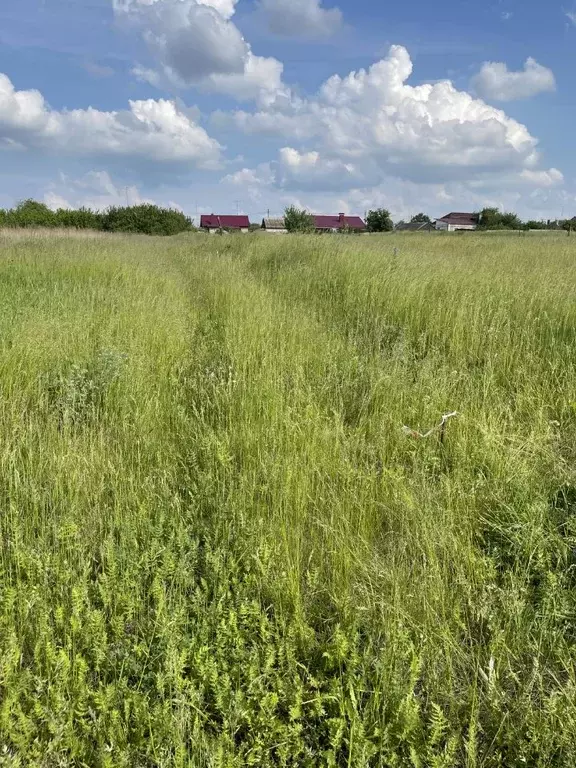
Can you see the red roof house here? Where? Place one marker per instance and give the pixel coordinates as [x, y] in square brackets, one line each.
[213, 222]
[341, 221]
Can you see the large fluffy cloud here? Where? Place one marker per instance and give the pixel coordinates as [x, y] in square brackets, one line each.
[372, 119]
[195, 43]
[192, 40]
[496, 82]
[152, 130]
[300, 18]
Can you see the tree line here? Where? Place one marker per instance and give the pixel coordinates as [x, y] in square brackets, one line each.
[380, 220]
[492, 218]
[148, 219]
[143, 219]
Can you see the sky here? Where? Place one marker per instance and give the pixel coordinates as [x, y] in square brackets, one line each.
[248, 106]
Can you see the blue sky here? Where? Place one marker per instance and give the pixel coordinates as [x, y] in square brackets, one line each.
[250, 105]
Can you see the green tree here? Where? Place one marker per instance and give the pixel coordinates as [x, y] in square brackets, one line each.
[570, 225]
[298, 220]
[379, 220]
[421, 217]
[492, 218]
[30, 213]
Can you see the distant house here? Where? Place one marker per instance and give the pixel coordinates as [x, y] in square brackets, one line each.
[415, 226]
[213, 223]
[274, 225]
[452, 222]
[335, 223]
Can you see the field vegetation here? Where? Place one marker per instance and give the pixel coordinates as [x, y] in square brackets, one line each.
[145, 219]
[220, 548]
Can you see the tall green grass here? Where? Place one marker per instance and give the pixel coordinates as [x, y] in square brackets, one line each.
[218, 547]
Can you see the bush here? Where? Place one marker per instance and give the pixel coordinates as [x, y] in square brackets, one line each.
[143, 219]
[30, 213]
[532, 224]
[492, 218]
[146, 219]
[83, 218]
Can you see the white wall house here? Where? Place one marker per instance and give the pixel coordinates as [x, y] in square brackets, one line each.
[453, 222]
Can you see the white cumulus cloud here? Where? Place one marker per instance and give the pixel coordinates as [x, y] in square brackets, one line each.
[195, 43]
[261, 79]
[149, 129]
[300, 18]
[372, 119]
[496, 82]
[370, 136]
[550, 178]
[193, 40]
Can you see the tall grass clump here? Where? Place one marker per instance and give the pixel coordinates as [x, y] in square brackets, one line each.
[219, 545]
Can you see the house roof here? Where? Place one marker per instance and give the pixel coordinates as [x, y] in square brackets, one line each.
[338, 222]
[460, 218]
[216, 221]
[413, 226]
[273, 224]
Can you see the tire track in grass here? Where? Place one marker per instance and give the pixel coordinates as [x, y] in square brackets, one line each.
[294, 492]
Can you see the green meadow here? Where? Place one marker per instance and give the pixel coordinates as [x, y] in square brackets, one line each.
[219, 545]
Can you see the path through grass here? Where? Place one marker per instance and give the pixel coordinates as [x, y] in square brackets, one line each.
[218, 546]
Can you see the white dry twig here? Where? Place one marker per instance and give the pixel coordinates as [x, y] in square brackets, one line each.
[414, 433]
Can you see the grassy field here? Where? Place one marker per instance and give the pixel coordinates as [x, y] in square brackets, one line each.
[219, 547]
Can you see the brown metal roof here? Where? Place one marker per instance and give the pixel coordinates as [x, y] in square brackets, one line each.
[460, 218]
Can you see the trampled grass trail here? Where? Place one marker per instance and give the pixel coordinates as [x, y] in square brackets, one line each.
[220, 548]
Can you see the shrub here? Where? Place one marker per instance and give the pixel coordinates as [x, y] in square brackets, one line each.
[83, 218]
[30, 213]
[492, 218]
[146, 219]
